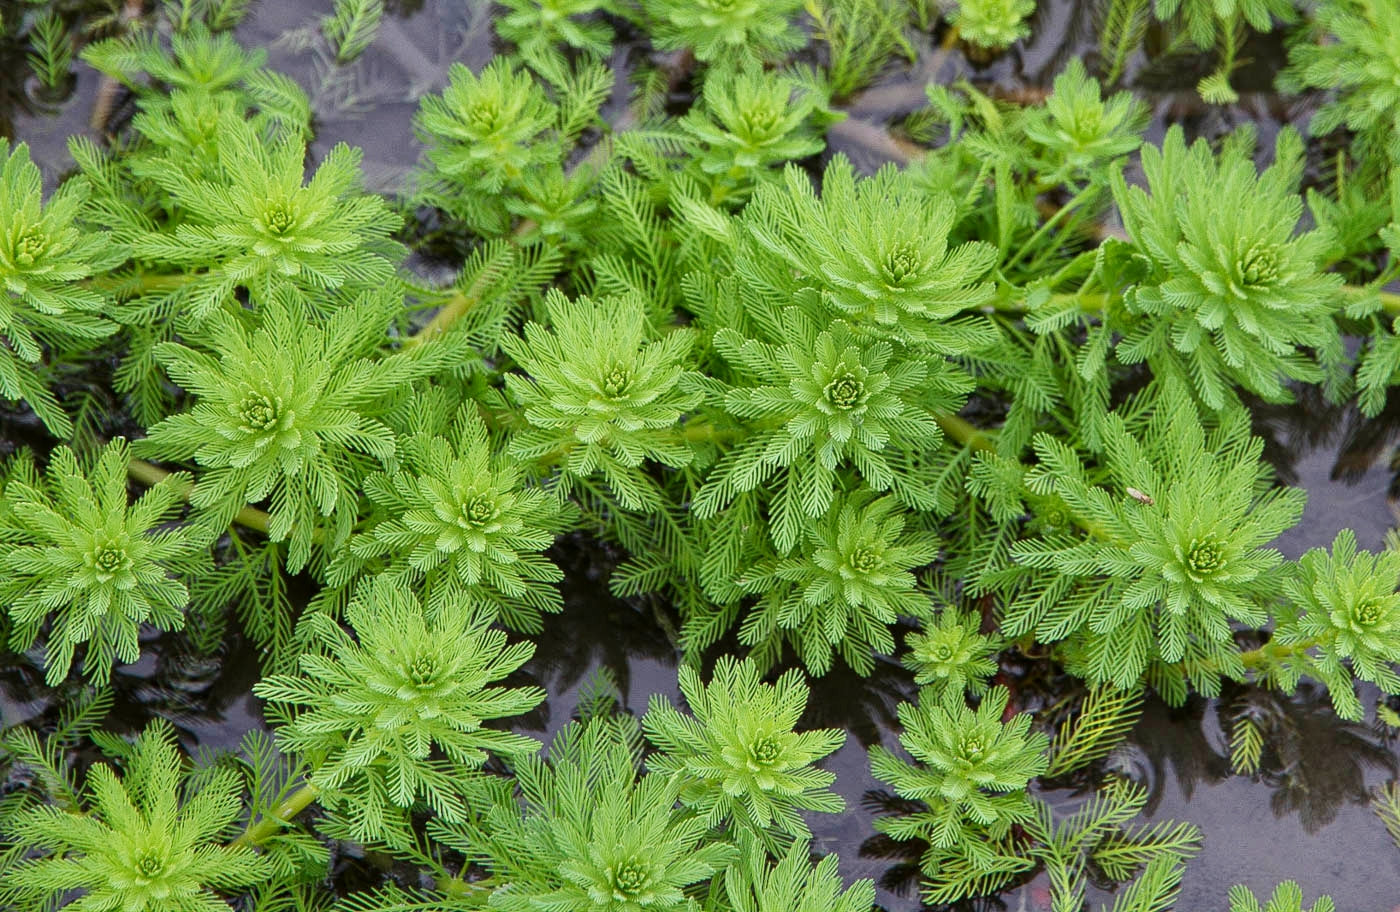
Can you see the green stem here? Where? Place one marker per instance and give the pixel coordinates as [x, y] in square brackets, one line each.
[150, 474]
[965, 432]
[143, 283]
[1273, 651]
[1051, 222]
[267, 826]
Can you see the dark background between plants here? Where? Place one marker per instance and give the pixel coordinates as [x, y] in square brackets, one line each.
[1304, 817]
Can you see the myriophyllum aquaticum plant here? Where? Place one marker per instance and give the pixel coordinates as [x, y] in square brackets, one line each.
[932, 425]
[85, 567]
[290, 411]
[44, 255]
[456, 521]
[140, 845]
[741, 764]
[396, 712]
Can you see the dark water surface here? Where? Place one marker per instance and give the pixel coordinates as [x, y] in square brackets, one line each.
[1305, 817]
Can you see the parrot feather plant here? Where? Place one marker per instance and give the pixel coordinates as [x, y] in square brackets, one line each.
[939, 435]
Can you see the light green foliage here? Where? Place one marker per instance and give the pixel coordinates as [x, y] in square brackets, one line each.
[823, 400]
[538, 27]
[1167, 548]
[351, 27]
[289, 411]
[601, 394]
[253, 223]
[875, 252]
[738, 759]
[1100, 833]
[497, 141]
[140, 848]
[1105, 719]
[970, 769]
[1204, 20]
[992, 24]
[591, 837]
[1288, 897]
[76, 554]
[52, 57]
[725, 29]
[794, 884]
[455, 521]
[1122, 28]
[201, 63]
[749, 122]
[1386, 805]
[950, 654]
[1081, 132]
[44, 253]
[851, 578]
[1349, 54]
[1220, 25]
[395, 713]
[780, 408]
[1344, 610]
[484, 128]
[1232, 293]
[861, 37]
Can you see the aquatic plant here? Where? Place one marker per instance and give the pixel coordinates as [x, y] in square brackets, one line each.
[139, 847]
[737, 756]
[939, 435]
[43, 255]
[91, 568]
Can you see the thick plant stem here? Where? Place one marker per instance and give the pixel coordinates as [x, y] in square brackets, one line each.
[264, 828]
[149, 474]
[1274, 652]
[965, 432]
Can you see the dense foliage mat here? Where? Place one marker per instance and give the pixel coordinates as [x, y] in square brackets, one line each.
[947, 415]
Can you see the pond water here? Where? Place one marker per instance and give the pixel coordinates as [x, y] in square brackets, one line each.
[1305, 817]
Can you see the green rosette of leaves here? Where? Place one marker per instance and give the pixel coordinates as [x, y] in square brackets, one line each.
[82, 562]
[395, 712]
[738, 758]
[151, 840]
[45, 256]
[1228, 291]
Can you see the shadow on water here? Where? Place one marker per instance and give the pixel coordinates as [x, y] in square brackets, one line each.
[1304, 816]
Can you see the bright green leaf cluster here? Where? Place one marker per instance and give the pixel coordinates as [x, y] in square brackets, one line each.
[1233, 294]
[1288, 897]
[456, 521]
[737, 756]
[288, 411]
[852, 578]
[992, 25]
[140, 848]
[1167, 549]
[971, 770]
[44, 256]
[602, 394]
[725, 29]
[1351, 57]
[253, 224]
[1345, 611]
[396, 712]
[91, 568]
[591, 837]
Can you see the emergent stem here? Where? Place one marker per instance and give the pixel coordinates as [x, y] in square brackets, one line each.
[1274, 651]
[269, 825]
[149, 474]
